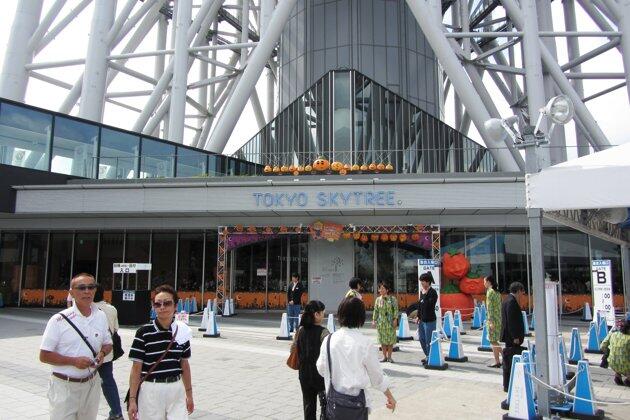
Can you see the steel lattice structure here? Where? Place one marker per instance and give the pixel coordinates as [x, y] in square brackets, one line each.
[469, 37]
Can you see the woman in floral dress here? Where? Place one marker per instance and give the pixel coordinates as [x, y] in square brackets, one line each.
[493, 303]
[385, 317]
[617, 345]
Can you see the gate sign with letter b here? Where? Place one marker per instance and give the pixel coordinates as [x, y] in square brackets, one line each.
[602, 290]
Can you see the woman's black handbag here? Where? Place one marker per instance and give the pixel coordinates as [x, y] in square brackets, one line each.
[342, 406]
[117, 344]
[604, 362]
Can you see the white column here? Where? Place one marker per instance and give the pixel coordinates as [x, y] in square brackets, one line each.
[624, 27]
[266, 10]
[256, 63]
[180, 73]
[14, 77]
[95, 72]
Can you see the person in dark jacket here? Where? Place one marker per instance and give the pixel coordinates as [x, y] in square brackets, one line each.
[294, 301]
[308, 340]
[512, 329]
[426, 312]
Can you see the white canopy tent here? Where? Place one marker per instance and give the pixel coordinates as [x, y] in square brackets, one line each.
[599, 180]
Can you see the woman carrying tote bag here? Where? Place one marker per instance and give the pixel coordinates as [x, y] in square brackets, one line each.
[349, 364]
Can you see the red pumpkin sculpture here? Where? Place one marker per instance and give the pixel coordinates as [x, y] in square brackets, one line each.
[472, 284]
[455, 265]
[454, 301]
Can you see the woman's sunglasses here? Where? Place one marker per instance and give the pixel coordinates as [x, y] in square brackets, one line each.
[166, 304]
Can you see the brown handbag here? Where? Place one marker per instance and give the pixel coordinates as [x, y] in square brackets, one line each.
[294, 360]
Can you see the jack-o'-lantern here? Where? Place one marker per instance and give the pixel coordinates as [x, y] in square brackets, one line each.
[239, 228]
[402, 237]
[251, 229]
[384, 237]
[267, 169]
[276, 169]
[347, 167]
[374, 237]
[393, 237]
[342, 171]
[364, 238]
[321, 164]
[300, 168]
[268, 230]
[355, 167]
[415, 237]
[291, 168]
[283, 229]
[389, 167]
[372, 166]
[336, 166]
[346, 235]
[356, 236]
[284, 169]
[296, 173]
[308, 168]
[364, 167]
[380, 167]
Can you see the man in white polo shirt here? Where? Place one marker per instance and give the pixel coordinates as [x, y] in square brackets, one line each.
[74, 389]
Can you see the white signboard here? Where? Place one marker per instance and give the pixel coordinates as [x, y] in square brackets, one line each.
[433, 267]
[261, 272]
[129, 295]
[124, 268]
[143, 266]
[602, 290]
[182, 316]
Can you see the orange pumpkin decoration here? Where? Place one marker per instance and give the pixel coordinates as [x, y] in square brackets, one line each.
[374, 237]
[389, 167]
[393, 237]
[342, 171]
[372, 166]
[268, 230]
[251, 229]
[321, 164]
[300, 168]
[455, 266]
[346, 235]
[364, 238]
[284, 169]
[239, 228]
[296, 173]
[472, 285]
[308, 168]
[355, 167]
[454, 301]
[267, 169]
[336, 166]
[384, 237]
[364, 167]
[292, 168]
[415, 237]
[347, 167]
[283, 229]
[380, 167]
[402, 237]
[276, 169]
[356, 236]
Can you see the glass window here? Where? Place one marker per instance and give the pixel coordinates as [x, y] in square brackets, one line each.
[480, 250]
[364, 264]
[216, 166]
[245, 279]
[163, 259]
[85, 246]
[603, 250]
[277, 274]
[60, 261]
[112, 245]
[74, 147]
[512, 259]
[190, 261]
[24, 137]
[407, 275]
[342, 117]
[385, 262]
[157, 160]
[118, 157]
[137, 251]
[191, 163]
[452, 241]
[550, 252]
[299, 257]
[10, 260]
[575, 267]
[34, 268]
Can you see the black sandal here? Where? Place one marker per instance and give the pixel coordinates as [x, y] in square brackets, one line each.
[496, 365]
[618, 380]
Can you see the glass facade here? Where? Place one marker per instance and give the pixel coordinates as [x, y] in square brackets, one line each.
[349, 118]
[49, 141]
[37, 266]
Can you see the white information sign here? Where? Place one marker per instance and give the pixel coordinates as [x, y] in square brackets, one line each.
[602, 290]
[124, 268]
[433, 267]
[129, 295]
[143, 266]
[261, 272]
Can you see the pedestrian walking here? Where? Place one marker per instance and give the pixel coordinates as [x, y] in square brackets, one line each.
[616, 347]
[294, 301]
[427, 319]
[512, 329]
[493, 304]
[160, 384]
[75, 342]
[356, 287]
[106, 370]
[308, 340]
[349, 364]
[385, 317]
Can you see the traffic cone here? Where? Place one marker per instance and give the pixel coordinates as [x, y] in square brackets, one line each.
[212, 328]
[193, 305]
[484, 313]
[180, 305]
[187, 306]
[209, 305]
[583, 405]
[563, 359]
[531, 347]
[448, 323]
[232, 308]
[215, 305]
[404, 334]
[330, 325]
[526, 324]
[476, 322]
[532, 325]
[521, 402]
[227, 311]
[456, 350]
[592, 345]
[485, 340]
[575, 354]
[457, 322]
[436, 358]
[587, 315]
[602, 331]
[204, 319]
[284, 328]
[505, 404]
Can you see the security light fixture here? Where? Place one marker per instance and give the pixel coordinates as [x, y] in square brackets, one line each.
[559, 109]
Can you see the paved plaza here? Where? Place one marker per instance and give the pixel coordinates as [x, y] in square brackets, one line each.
[243, 375]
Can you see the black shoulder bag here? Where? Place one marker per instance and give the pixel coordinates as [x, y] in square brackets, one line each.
[117, 345]
[80, 334]
[342, 406]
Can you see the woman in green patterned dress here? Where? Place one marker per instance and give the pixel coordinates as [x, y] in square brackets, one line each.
[617, 345]
[493, 303]
[385, 317]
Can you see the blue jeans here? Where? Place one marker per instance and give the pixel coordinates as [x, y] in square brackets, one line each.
[110, 390]
[293, 314]
[425, 330]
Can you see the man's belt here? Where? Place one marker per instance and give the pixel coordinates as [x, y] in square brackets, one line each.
[77, 380]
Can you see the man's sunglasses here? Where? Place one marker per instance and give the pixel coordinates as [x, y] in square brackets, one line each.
[84, 287]
[166, 304]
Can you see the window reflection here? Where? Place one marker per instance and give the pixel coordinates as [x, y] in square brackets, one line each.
[118, 157]
[74, 147]
[24, 137]
[157, 160]
[191, 163]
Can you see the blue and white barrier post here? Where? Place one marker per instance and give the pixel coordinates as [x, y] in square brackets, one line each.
[330, 325]
[436, 358]
[457, 322]
[575, 354]
[476, 321]
[587, 315]
[602, 329]
[485, 340]
[204, 319]
[404, 333]
[592, 345]
[456, 350]
[583, 404]
[525, 324]
[448, 323]
[284, 328]
[212, 329]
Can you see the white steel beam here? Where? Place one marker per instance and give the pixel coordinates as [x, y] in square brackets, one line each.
[266, 10]
[14, 76]
[180, 73]
[624, 25]
[44, 25]
[247, 82]
[95, 72]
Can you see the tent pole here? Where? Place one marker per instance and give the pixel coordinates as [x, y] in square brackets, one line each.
[625, 270]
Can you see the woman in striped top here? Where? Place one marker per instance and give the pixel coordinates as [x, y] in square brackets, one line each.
[162, 395]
